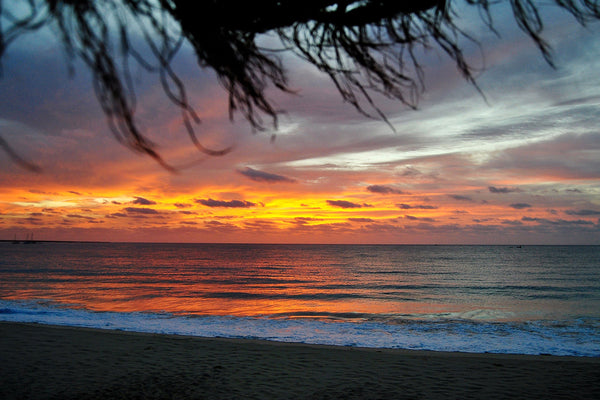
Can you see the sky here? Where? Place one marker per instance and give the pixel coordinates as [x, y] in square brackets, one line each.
[517, 162]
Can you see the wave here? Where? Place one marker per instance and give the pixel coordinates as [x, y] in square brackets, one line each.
[476, 331]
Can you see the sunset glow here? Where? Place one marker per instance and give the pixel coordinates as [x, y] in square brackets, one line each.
[520, 165]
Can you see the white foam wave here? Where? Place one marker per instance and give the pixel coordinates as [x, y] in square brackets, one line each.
[577, 338]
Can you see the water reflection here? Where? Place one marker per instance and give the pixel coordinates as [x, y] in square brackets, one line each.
[296, 281]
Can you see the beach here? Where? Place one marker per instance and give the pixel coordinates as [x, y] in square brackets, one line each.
[58, 362]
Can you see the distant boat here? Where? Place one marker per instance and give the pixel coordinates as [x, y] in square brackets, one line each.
[28, 239]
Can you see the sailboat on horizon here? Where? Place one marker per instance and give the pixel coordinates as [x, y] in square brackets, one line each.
[28, 239]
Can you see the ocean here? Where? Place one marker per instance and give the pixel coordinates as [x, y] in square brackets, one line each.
[496, 299]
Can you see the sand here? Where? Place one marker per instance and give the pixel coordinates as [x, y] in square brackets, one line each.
[50, 362]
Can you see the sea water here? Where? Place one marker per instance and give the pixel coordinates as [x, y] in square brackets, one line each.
[500, 299]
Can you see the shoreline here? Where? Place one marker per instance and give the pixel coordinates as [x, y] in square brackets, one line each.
[48, 361]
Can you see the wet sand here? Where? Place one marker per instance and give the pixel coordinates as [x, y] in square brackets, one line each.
[50, 362]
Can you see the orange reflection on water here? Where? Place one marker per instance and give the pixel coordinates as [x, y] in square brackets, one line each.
[286, 281]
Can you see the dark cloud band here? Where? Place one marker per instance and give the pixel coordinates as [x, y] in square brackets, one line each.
[228, 204]
[261, 176]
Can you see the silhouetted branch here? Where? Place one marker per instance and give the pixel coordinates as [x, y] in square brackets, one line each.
[20, 161]
[365, 47]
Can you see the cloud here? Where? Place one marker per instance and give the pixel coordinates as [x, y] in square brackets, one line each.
[568, 156]
[30, 220]
[260, 225]
[460, 197]
[304, 221]
[143, 202]
[411, 171]
[494, 189]
[383, 189]
[79, 216]
[545, 221]
[116, 215]
[424, 219]
[361, 220]
[140, 210]
[217, 226]
[415, 207]
[582, 213]
[511, 222]
[222, 203]
[182, 205]
[343, 204]
[261, 176]
[520, 206]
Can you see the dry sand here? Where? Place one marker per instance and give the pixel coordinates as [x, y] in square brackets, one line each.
[48, 362]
